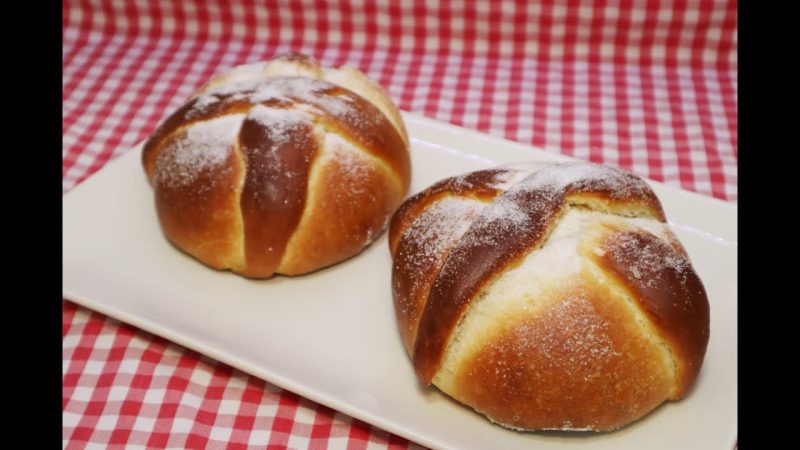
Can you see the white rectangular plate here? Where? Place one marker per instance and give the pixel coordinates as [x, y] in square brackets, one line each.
[332, 337]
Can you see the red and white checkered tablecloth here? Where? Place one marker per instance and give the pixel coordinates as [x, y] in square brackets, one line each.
[650, 86]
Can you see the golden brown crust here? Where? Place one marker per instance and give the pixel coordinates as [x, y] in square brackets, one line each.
[583, 359]
[470, 265]
[668, 290]
[441, 278]
[410, 288]
[243, 150]
[493, 243]
[420, 257]
[183, 118]
[345, 219]
[356, 81]
[186, 212]
[369, 129]
[480, 185]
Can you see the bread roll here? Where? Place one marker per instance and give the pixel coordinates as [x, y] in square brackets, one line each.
[279, 167]
[547, 296]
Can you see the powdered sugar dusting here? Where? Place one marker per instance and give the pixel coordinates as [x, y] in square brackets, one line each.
[581, 336]
[204, 145]
[501, 179]
[505, 179]
[202, 103]
[647, 259]
[428, 239]
[462, 182]
[582, 177]
[569, 337]
[281, 123]
[518, 289]
[505, 212]
[282, 91]
[513, 214]
[353, 165]
[440, 226]
[354, 190]
[281, 126]
[652, 226]
[288, 88]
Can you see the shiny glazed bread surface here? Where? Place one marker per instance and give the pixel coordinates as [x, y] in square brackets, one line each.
[279, 167]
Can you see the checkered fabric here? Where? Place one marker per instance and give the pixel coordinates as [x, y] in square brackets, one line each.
[649, 86]
[123, 386]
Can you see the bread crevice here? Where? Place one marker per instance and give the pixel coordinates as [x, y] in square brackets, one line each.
[384, 166]
[241, 260]
[644, 322]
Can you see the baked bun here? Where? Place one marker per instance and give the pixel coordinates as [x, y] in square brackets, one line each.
[547, 296]
[279, 167]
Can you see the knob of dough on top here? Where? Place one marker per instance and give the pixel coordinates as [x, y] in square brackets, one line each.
[547, 296]
[279, 167]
